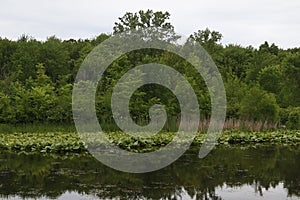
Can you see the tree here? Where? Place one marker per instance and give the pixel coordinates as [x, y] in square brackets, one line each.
[36, 77]
[7, 48]
[261, 58]
[207, 37]
[142, 19]
[157, 21]
[270, 78]
[294, 119]
[55, 58]
[6, 109]
[290, 93]
[210, 40]
[20, 104]
[235, 91]
[25, 58]
[235, 61]
[273, 49]
[257, 104]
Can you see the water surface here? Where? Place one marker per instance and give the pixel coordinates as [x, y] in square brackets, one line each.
[265, 172]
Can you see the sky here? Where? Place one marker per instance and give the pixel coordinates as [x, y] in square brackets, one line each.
[241, 22]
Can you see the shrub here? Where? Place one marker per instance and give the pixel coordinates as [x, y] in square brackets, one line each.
[258, 104]
[294, 119]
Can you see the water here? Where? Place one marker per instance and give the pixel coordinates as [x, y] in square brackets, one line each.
[265, 172]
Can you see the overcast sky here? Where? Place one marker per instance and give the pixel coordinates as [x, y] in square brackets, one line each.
[244, 22]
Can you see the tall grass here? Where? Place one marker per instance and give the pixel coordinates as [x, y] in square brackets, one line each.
[233, 124]
[230, 124]
[250, 125]
[171, 125]
[36, 128]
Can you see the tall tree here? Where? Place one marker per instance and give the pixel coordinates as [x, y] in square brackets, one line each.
[141, 20]
[210, 40]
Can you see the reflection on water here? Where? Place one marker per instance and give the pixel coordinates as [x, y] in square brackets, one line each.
[248, 192]
[266, 172]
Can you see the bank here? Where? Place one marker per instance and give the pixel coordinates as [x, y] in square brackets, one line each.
[70, 142]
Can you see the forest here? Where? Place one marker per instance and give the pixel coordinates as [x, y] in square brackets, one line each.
[36, 78]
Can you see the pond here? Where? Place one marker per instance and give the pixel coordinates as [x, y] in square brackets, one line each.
[232, 172]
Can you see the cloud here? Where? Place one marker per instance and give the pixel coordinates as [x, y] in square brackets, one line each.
[247, 22]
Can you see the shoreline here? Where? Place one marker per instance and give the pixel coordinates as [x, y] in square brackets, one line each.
[61, 143]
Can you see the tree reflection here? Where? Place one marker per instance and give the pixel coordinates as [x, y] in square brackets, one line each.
[47, 175]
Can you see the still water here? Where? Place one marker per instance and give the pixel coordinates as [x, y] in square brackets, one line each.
[264, 172]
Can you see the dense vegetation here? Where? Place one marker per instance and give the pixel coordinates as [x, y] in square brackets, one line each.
[36, 78]
[61, 143]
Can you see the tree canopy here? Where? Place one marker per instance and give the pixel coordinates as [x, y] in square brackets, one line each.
[36, 77]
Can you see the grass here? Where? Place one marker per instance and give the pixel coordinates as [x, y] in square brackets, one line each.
[171, 126]
[37, 128]
[65, 142]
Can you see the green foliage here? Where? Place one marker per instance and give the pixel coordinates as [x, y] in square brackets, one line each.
[236, 60]
[294, 119]
[286, 137]
[208, 39]
[62, 142]
[42, 142]
[235, 91]
[147, 19]
[142, 20]
[36, 78]
[261, 58]
[257, 104]
[290, 93]
[270, 79]
[5, 108]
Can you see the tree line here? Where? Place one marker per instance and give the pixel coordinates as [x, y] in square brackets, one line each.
[36, 77]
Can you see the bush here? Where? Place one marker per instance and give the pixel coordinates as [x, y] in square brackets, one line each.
[258, 104]
[294, 118]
